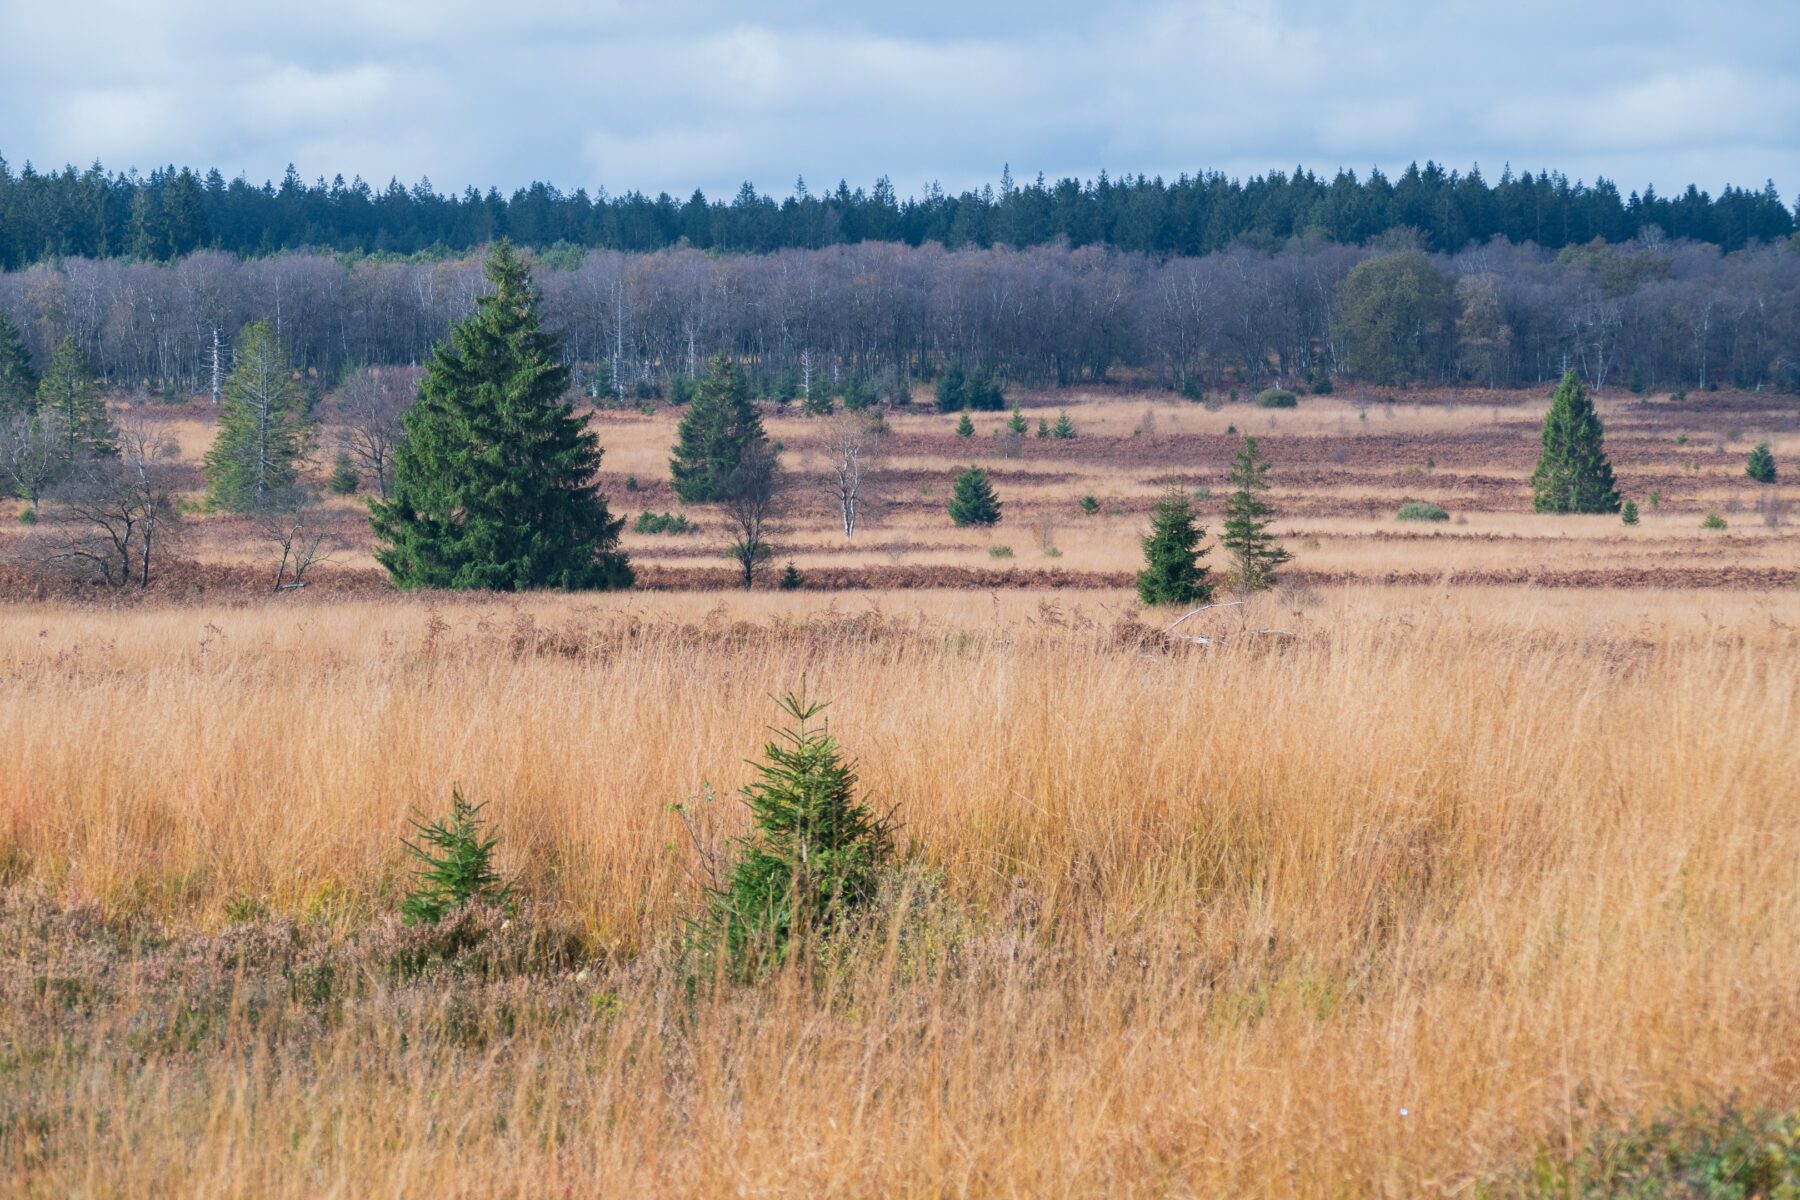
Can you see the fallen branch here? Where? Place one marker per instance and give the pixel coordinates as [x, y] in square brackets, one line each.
[1184, 616]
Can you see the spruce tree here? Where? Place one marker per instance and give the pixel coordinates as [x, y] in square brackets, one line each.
[263, 431]
[1573, 475]
[18, 382]
[983, 393]
[1017, 423]
[70, 390]
[494, 484]
[1760, 466]
[1172, 571]
[1255, 552]
[719, 425]
[973, 501]
[965, 427]
[814, 854]
[950, 395]
[1064, 428]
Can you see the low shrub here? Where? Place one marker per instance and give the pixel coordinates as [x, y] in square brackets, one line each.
[649, 522]
[1726, 1154]
[1713, 521]
[1276, 398]
[1420, 510]
[1000, 552]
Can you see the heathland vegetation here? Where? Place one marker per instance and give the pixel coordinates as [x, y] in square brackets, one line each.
[376, 815]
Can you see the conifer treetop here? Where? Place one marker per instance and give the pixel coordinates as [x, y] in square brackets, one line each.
[494, 484]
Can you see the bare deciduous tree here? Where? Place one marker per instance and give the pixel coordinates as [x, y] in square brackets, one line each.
[751, 501]
[853, 461]
[31, 454]
[369, 410]
[305, 531]
[113, 515]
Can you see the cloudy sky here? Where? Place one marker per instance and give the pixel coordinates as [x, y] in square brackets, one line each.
[684, 93]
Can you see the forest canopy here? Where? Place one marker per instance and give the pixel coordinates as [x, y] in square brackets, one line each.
[172, 212]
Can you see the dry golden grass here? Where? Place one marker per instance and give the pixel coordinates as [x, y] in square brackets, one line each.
[1172, 920]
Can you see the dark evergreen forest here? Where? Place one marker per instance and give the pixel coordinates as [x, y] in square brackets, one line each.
[1203, 285]
[172, 212]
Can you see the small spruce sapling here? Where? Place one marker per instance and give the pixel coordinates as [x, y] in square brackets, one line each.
[456, 865]
[1760, 466]
[1255, 551]
[965, 427]
[1629, 513]
[814, 854]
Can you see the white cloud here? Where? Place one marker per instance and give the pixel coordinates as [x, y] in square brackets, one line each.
[705, 93]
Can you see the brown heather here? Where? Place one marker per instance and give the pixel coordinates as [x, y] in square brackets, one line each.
[1388, 906]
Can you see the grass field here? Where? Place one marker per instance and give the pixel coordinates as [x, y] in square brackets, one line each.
[1461, 847]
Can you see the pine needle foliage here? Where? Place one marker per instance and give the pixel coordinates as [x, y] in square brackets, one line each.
[1573, 475]
[1172, 571]
[456, 865]
[965, 427]
[263, 428]
[973, 500]
[1255, 552]
[71, 391]
[814, 853]
[494, 485]
[1760, 466]
[18, 382]
[718, 427]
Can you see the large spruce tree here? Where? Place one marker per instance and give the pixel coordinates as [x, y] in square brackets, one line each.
[18, 382]
[718, 427]
[264, 433]
[1172, 571]
[70, 391]
[1255, 552]
[1573, 475]
[494, 484]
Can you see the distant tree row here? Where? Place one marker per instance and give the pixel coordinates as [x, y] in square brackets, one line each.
[173, 212]
[865, 323]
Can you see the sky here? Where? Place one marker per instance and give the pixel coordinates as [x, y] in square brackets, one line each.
[680, 94]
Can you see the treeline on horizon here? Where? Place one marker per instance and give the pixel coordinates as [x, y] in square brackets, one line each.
[172, 212]
[870, 321]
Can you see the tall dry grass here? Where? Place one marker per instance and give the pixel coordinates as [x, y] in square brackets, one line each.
[1174, 921]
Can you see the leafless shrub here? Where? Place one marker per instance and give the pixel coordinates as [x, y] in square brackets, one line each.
[110, 517]
[304, 530]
